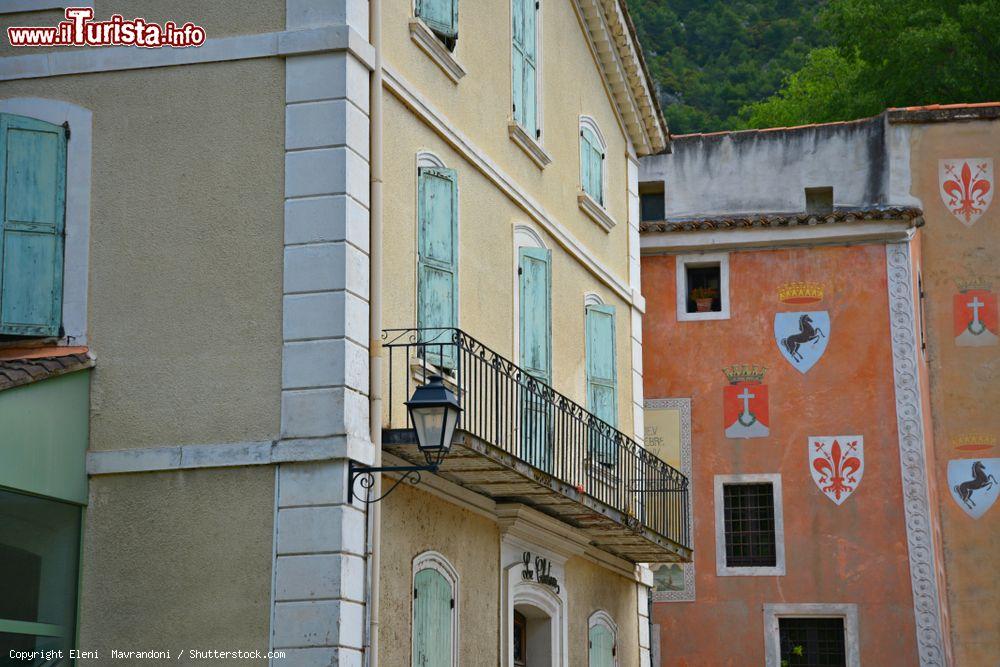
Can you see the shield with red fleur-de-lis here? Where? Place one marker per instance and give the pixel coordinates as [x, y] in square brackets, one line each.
[966, 186]
[837, 463]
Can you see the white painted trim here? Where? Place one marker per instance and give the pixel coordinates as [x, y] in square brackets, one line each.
[527, 143]
[653, 243]
[434, 560]
[846, 611]
[516, 591]
[591, 124]
[19, 6]
[601, 617]
[592, 299]
[932, 644]
[219, 49]
[226, 455]
[426, 158]
[595, 211]
[478, 159]
[76, 253]
[681, 286]
[723, 570]
[429, 43]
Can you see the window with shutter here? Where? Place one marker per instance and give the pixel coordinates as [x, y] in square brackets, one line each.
[592, 164]
[32, 201]
[534, 294]
[433, 619]
[524, 74]
[602, 646]
[437, 261]
[602, 378]
[441, 16]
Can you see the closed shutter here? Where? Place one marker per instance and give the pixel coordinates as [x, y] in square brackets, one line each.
[602, 377]
[437, 261]
[535, 286]
[32, 199]
[524, 73]
[591, 165]
[433, 608]
[602, 646]
[441, 16]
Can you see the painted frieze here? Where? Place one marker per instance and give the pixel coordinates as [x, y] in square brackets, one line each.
[837, 464]
[802, 335]
[744, 402]
[966, 187]
[975, 314]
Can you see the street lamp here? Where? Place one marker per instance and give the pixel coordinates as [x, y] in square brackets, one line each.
[434, 411]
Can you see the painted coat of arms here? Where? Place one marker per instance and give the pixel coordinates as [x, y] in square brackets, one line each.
[744, 402]
[802, 335]
[837, 464]
[966, 187]
[973, 484]
[975, 314]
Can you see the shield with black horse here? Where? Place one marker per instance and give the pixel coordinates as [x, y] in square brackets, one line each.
[802, 337]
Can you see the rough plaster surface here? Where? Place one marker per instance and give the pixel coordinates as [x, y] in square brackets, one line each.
[592, 588]
[185, 260]
[178, 559]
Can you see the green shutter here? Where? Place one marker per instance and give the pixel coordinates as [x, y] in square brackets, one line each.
[433, 609]
[591, 165]
[535, 287]
[32, 199]
[524, 74]
[602, 646]
[437, 259]
[441, 16]
[602, 377]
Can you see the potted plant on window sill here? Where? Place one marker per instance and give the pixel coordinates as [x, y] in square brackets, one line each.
[703, 297]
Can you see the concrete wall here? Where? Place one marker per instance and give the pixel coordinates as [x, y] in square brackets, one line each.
[178, 559]
[852, 553]
[963, 380]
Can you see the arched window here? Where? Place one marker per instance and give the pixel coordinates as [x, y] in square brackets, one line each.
[602, 636]
[435, 611]
[592, 153]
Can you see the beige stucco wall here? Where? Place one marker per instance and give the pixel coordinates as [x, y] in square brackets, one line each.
[185, 249]
[963, 380]
[487, 267]
[413, 522]
[594, 588]
[178, 559]
[479, 107]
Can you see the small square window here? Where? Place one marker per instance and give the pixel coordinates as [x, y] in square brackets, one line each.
[819, 200]
[702, 287]
[812, 642]
[652, 206]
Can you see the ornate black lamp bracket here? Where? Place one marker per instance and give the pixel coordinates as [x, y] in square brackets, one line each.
[365, 476]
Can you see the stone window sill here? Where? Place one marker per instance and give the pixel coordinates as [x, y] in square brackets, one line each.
[528, 144]
[595, 211]
[429, 43]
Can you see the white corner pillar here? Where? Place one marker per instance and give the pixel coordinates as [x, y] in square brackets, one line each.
[317, 615]
[645, 582]
[638, 303]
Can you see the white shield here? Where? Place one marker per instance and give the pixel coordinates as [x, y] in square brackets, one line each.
[837, 463]
[966, 187]
[973, 484]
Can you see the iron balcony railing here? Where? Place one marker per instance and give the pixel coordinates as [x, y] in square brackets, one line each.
[504, 405]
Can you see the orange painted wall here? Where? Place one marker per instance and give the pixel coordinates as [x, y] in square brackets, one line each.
[852, 553]
[964, 381]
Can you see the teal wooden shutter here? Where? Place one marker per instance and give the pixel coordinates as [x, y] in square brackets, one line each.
[602, 646]
[524, 74]
[602, 378]
[433, 608]
[591, 165]
[441, 16]
[437, 259]
[534, 295]
[32, 199]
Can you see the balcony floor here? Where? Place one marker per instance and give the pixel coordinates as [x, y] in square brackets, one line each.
[492, 472]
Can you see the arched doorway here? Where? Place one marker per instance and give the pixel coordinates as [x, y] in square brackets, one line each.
[532, 635]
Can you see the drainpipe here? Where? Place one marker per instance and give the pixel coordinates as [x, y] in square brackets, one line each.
[374, 525]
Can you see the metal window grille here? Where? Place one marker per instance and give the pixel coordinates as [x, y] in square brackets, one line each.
[812, 642]
[749, 525]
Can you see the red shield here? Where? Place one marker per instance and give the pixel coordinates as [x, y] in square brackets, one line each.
[975, 318]
[744, 406]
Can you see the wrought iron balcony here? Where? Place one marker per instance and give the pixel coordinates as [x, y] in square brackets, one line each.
[520, 440]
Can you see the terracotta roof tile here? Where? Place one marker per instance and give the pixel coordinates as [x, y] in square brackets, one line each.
[736, 221]
[15, 372]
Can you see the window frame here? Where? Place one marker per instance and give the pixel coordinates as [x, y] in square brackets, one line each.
[682, 261]
[721, 568]
[434, 560]
[603, 618]
[772, 638]
[588, 123]
[538, 136]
